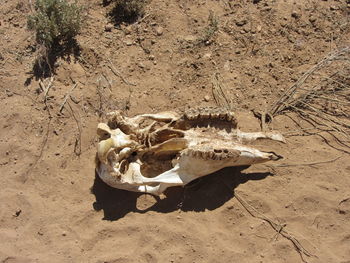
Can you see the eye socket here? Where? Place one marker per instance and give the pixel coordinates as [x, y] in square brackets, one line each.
[134, 154]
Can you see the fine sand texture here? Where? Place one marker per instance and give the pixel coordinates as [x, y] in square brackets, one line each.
[55, 209]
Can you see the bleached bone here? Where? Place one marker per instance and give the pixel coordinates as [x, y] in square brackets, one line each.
[174, 150]
[192, 164]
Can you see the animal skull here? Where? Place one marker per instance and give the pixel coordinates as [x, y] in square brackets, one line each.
[151, 152]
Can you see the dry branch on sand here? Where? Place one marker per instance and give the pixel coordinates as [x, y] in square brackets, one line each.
[219, 93]
[325, 105]
[277, 227]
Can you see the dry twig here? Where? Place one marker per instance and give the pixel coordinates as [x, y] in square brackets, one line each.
[77, 144]
[118, 74]
[219, 93]
[327, 105]
[67, 96]
[280, 229]
[307, 164]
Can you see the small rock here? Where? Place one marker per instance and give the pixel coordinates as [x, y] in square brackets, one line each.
[190, 38]
[128, 42]
[295, 14]
[258, 28]
[9, 93]
[108, 27]
[227, 66]
[207, 55]
[127, 30]
[333, 7]
[206, 98]
[159, 31]
[312, 19]
[17, 213]
[241, 22]
[151, 57]
[266, 8]
[64, 234]
[40, 233]
[141, 65]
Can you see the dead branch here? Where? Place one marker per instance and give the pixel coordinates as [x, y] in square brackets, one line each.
[281, 103]
[142, 19]
[280, 229]
[46, 90]
[46, 137]
[118, 74]
[109, 83]
[67, 96]
[219, 93]
[307, 164]
[77, 144]
[310, 131]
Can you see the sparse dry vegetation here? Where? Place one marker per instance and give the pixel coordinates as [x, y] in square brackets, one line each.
[128, 11]
[55, 23]
[210, 30]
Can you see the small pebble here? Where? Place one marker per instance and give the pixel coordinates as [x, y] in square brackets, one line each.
[17, 213]
[241, 22]
[128, 42]
[295, 14]
[206, 98]
[312, 19]
[9, 93]
[207, 55]
[159, 31]
[108, 27]
[127, 30]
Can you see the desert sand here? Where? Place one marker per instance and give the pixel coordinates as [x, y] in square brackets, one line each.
[53, 208]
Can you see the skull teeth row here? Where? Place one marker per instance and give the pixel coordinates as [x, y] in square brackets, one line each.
[210, 155]
[221, 116]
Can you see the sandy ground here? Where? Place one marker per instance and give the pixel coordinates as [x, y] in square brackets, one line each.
[54, 209]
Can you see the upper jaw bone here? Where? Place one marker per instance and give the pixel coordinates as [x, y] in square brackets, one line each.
[118, 140]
